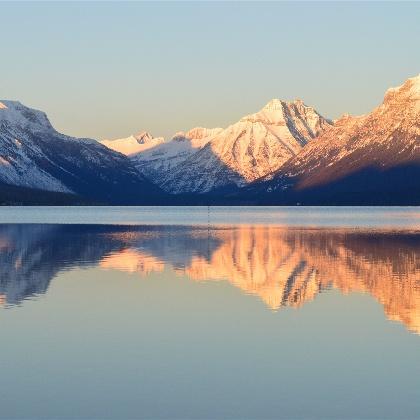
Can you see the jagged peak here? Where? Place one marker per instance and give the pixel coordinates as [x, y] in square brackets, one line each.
[143, 137]
[274, 105]
[278, 111]
[278, 104]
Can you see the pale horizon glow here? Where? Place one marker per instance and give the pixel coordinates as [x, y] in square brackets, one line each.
[108, 70]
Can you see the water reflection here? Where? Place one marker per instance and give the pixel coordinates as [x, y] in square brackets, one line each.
[283, 267]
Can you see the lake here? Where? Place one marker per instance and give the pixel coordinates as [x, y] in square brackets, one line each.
[210, 313]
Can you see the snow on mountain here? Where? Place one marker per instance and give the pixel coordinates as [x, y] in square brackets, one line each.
[134, 144]
[204, 159]
[285, 148]
[33, 154]
[16, 164]
[157, 162]
[386, 138]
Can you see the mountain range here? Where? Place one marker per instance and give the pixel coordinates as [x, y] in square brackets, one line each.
[286, 153]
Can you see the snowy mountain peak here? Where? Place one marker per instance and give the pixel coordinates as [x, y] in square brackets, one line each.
[302, 121]
[134, 144]
[274, 105]
[409, 90]
[14, 113]
[202, 132]
[143, 137]
[278, 105]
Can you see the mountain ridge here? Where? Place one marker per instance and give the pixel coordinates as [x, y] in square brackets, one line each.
[244, 151]
[285, 153]
[383, 144]
[33, 155]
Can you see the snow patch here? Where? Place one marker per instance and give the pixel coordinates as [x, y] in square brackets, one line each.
[3, 161]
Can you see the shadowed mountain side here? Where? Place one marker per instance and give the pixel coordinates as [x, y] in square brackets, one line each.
[13, 195]
[199, 171]
[189, 173]
[34, 155]
[160, 160]
[397, 185]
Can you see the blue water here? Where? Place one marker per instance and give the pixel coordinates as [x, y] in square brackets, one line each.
[408, 217]
[220, 313]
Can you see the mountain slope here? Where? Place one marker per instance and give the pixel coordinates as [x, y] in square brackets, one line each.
[34, 155]
[255, 146]
[364, 159]
[158, 162]
[202, 160]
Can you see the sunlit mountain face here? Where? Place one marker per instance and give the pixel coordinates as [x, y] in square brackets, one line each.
[284, 267]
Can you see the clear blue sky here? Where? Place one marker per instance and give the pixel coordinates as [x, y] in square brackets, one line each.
[106, 70]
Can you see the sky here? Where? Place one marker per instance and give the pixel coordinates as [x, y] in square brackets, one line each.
[107, 70]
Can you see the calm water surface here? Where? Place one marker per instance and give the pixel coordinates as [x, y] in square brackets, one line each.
[246, 313]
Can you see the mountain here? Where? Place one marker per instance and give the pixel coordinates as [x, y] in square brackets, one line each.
[286, 153]
[157, 163]
[34, 156]
[256, 145]
[369, 159]
[202, 160]
[134, 144]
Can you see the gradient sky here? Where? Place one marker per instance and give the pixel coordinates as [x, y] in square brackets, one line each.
[107, 70]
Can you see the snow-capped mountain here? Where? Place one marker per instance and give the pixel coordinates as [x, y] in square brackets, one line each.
[34, 155]
[202, 160]
[283, 154]
[377, 153]
[134, 144]
[256, 145]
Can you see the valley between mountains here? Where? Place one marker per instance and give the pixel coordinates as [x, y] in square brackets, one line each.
[286, 153]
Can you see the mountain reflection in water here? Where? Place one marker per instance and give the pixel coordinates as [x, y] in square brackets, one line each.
[282, 266]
